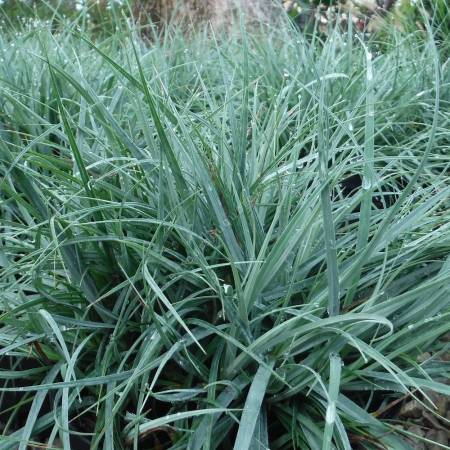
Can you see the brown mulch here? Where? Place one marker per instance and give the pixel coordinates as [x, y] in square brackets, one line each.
[432, 424]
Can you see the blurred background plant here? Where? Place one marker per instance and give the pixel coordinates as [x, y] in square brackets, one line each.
[100, 16]
[373, 15]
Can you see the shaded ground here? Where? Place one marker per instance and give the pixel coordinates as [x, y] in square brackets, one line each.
[423, 421]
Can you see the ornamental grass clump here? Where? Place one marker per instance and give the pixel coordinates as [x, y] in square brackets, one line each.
[235, 242]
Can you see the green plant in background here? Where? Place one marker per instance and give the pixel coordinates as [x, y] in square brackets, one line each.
[215, 244]
[97, 16]
[411, 17]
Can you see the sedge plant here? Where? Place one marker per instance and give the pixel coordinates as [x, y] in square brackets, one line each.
[221, 242]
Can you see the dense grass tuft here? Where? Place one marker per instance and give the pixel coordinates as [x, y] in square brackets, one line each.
[223, 243]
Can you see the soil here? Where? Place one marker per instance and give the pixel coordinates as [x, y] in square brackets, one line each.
[430, 423]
